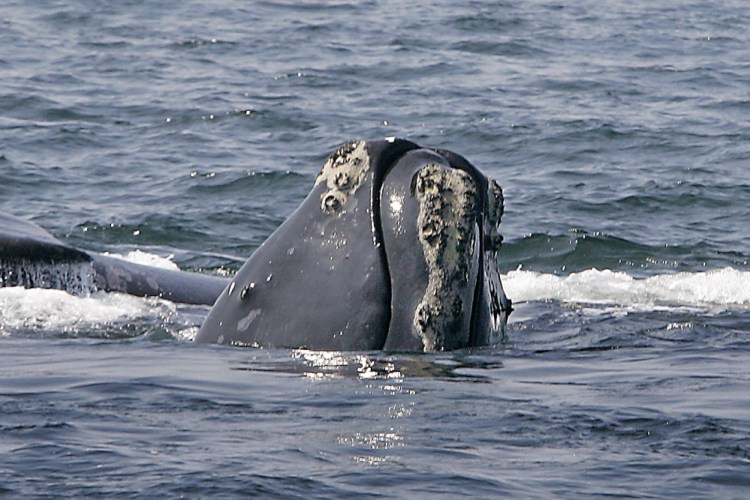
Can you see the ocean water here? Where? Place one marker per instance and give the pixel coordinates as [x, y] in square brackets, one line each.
[183, 133]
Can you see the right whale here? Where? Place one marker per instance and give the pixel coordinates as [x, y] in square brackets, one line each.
[395, 248]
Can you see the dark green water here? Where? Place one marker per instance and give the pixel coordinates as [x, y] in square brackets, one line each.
[189, 131]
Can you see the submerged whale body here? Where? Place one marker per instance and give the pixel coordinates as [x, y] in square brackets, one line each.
[395, 248]
[32, 258]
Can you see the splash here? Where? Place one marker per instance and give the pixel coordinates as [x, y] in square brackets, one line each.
[56, 310]
[723, 288]
[146, 259]
[37, 304]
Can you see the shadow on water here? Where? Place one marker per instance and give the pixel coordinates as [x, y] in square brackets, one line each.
[463, 366]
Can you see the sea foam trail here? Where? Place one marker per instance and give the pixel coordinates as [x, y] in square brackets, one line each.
[727, 288]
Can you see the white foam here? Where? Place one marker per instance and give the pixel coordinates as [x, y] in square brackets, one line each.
[56, 310]
[723, 288]
[147, 259]
[45, 309]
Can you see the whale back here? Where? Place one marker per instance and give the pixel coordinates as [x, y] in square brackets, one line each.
[30, 257]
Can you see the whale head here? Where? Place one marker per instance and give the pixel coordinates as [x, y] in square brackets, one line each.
[395, 248]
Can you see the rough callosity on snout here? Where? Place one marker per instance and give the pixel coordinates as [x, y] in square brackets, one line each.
[343, 174]
[432, 252]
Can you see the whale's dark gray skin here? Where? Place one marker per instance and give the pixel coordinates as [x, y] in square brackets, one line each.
[33, 258]
[394, 248]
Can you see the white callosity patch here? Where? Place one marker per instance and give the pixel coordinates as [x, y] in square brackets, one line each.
[447, 212]
[343, 173]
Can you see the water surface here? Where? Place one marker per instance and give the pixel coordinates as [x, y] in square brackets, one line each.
[190, 131]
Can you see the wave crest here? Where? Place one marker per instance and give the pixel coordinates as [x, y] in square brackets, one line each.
[724, 288]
